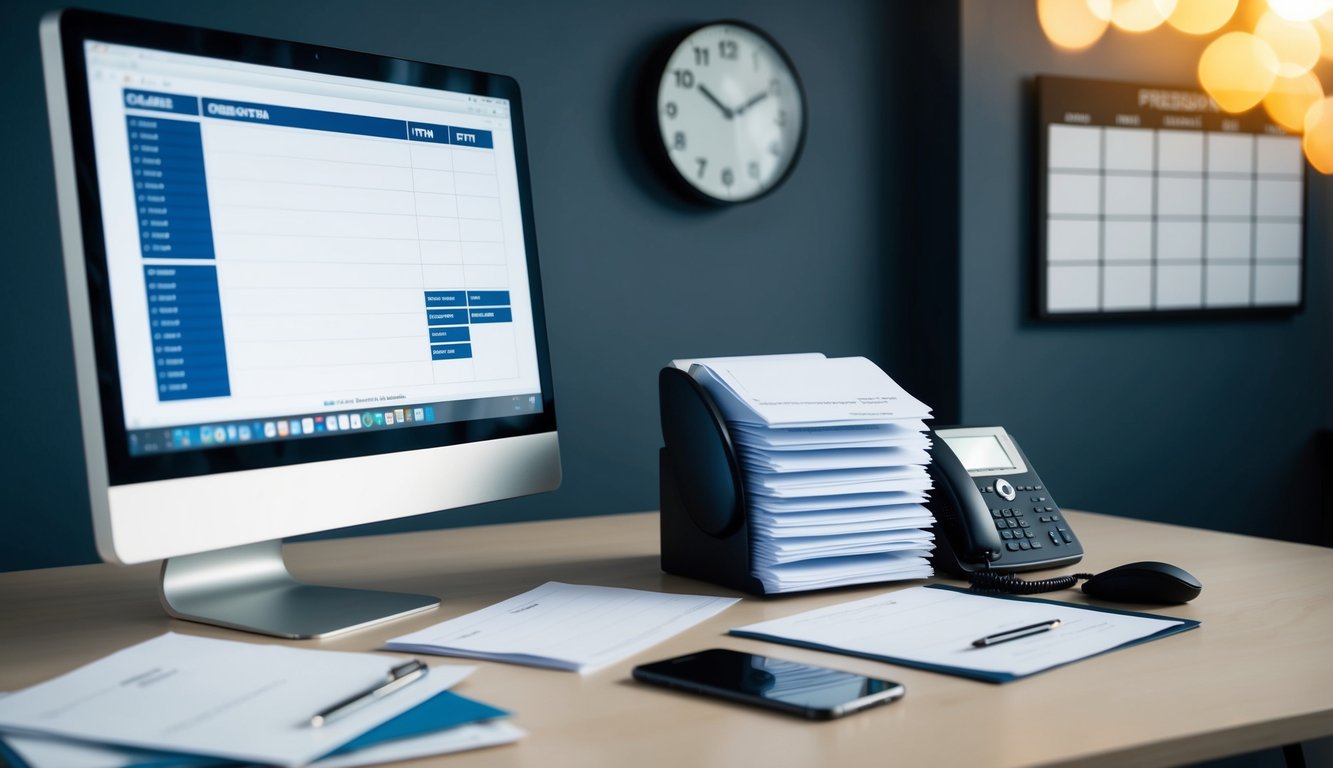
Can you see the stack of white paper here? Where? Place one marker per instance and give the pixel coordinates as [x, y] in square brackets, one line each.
[834, 457]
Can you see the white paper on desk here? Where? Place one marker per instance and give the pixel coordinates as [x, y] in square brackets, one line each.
[937, 627]
[842, 571]
[782, 390]
[905, 432]
[845, 501]
[856, 458]
[193, 695]
[565, 626]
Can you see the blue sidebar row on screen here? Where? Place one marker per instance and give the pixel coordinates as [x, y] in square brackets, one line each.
[185, 319]
[170, 196]
[450, 351]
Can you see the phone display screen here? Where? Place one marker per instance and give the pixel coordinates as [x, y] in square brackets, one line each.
[981, 453]
[786, 684]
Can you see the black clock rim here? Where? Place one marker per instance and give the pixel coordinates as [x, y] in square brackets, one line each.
[652, 134]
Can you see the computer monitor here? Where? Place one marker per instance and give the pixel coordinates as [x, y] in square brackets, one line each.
[304, 295]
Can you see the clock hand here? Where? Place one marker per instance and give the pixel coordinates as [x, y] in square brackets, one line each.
[741, 109]
[726, 111]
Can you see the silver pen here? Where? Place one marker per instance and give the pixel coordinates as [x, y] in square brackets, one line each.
[399, 677]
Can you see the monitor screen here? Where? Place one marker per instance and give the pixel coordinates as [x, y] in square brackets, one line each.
[304, 287]
[296, 256]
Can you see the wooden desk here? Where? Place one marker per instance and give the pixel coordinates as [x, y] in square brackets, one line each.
[1258, 673]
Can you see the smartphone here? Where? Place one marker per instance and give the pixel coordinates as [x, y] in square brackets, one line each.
[815, 693]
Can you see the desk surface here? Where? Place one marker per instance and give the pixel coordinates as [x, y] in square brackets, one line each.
[1258, 673]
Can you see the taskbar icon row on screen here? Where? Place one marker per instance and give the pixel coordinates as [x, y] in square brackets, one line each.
[193, 437]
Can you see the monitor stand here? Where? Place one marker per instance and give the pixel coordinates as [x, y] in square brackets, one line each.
[250, 588]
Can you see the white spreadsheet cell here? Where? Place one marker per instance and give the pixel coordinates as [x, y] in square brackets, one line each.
[279, 276]
[1227, 285]
[480, 230]
[1229, 197]
[477, 184]
[313, 224]
[1127, 241]
[479, 207]
[1075, 146]
[1128, 149]
[1227, 241]
[443, 276]
[1280, 154]
[486, 276]
[295, 196]
[1179, 286]
[493, 351]
[1180, 151]
[235, 247]
[270, 141]
[1128, 195]
[1230, 153]
[291, 355]
[438, 228]
[1072, 240]
[1078, 193]
[483, 253]
[1180, 241]
[474, 161]
[454, 371]
[437, 158]
[441, 252]
[1180, 195]
[333, 173]
[1278, 197]
[438, 182]
[1277, 241]
[284, 327]
[1072, 288]
[1126, 287]
[1277, 284]
[322, 301]
[343, 374]
[430, 204]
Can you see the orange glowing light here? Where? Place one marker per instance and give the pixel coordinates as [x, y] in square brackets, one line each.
[1074, 24]
[1202, 17]
[1291, 98]
[1140, 15]
[1237, 70]
[1318, 139]
[1324, 26]
[1296, 43]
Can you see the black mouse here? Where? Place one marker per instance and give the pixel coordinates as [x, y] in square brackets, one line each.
[1146, 582]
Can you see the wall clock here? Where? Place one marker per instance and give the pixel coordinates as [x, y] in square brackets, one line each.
[729, 113]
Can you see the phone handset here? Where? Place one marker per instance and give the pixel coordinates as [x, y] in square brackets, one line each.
[973, 534]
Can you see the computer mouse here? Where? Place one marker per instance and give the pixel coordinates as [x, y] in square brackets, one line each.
[1146, 582]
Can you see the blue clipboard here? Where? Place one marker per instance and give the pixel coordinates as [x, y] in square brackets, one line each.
[990, 677]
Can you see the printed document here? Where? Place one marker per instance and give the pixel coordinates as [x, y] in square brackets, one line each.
[194, 695]
[565, 626]
[934, 628]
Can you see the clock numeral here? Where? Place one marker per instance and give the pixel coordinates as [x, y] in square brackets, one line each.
[702, 165]
[775, 149]
[774, 87]
[728, 49]
[684, 78]
[728, 178]
[754, 58]
[679, 140]
[753, 170]
[700, 56]
[671, 109]
[781, 118]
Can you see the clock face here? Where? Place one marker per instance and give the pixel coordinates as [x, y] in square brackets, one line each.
[731, 112]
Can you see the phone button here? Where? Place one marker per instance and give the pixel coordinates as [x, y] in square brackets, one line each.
[1005, 490]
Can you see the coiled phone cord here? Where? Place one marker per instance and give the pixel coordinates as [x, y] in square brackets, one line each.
[1009, 584]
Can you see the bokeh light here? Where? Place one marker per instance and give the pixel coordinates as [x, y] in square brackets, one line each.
[1237, 70]
[1074, 24]
[1202, 17]
[1318, 139]
[1291, 98]
[1324, 26]
[1140, 15]
[1296, 43]
[1300, 10]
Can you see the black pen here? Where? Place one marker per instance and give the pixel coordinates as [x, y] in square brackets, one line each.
[1015, 634]
[399, 677]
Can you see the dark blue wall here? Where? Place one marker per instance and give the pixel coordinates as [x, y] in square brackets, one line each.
[632, 277]
[1213, 423]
